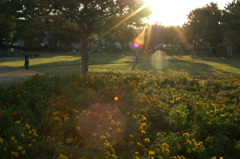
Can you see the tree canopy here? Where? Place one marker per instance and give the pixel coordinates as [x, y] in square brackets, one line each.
[203, 27]
[95, 16]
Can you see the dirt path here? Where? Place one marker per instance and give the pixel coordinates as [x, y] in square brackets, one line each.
[13, 74]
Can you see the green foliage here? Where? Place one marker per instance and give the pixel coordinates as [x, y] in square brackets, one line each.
[120, 116]
[203, 27]
[231, 23]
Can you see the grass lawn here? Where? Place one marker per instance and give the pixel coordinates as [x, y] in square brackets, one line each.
[125, 63]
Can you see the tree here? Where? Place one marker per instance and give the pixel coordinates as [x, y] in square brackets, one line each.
[94, 16]
[123, 34]
[62, 30]
[203, 27]
[13, 16]
[231, 25]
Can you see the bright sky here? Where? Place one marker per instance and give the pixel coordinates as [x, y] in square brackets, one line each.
[174, 12]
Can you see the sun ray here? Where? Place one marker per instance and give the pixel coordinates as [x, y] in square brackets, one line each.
[124, 20]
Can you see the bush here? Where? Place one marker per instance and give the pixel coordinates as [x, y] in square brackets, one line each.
[110, 115]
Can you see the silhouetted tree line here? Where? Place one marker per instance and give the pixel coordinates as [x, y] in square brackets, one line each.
[208, 29]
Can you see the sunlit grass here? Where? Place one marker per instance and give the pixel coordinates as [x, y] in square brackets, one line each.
[125, 63]
[46, 59]
[220, 65]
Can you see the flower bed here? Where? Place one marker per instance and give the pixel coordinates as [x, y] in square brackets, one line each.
[120, 116]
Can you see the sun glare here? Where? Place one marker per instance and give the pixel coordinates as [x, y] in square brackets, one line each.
[174, 12]
[164, 12]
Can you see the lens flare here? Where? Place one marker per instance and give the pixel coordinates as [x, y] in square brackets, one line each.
[101, 126]
[137, 43]
[159, 60]
[139, 40]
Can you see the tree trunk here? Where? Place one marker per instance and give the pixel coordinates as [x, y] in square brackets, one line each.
[85, 57]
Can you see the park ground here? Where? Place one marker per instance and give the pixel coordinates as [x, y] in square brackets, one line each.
[152, 107]
[52, 63]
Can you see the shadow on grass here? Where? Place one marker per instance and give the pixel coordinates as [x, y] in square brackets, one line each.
[111, 61]
[180, 66]
[232, 61]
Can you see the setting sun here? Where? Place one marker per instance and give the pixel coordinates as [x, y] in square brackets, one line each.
[174, 12]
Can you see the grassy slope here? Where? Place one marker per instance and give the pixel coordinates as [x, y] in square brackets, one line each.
[64, 64]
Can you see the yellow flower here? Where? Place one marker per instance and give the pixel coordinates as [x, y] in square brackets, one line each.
[109, 128]
[143, 117]
[165, 145]
[19, 148]
[103, 137]
[107, 144]
[113, 122]
[143, 132]
[108, 153]
[15, 154]
[35, 134]
[61, 156]
[119, 123]
[136, 153]
[151, 152]
[209, 123]
[12, 138]
[22, 134]
[78, 128]
[17, 122]
[114, 156]
[222, 115]
[146, 140]
[24, 152]
[189, 150]
[178, 111]
[221, 158]
[177, 99]
[188, 142]
[27, 126]
[119, 130]
[166, 152]
[209, 138]
[186, 135]
[139, 144]
[34, 131]
[108, 135]
[182, 157]
[113, 151]
[69, 140]
[58, 119]
[131, 136]
[179, 147]
[214, 157]
[29, 132]
[66, 118]
[1, 140]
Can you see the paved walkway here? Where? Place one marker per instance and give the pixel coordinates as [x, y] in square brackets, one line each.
[13, 74]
